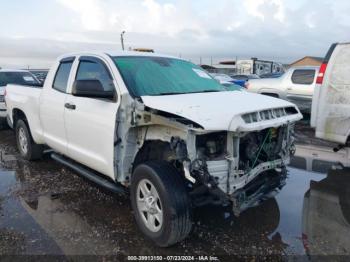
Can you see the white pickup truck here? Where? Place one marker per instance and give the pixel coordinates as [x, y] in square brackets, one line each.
[160, 126]
[296, 86]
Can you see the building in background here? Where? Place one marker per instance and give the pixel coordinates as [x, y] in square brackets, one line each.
[258, 67]
[308, 61]
[245, 67]
[224, 67]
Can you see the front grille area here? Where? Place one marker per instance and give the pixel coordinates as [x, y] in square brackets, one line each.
[268, 114]
[2, 99]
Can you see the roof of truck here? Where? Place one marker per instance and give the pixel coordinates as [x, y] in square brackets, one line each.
[118, 53]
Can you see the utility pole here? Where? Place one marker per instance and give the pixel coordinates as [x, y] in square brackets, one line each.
[122, 39]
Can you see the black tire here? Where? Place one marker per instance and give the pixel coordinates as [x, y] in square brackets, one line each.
[3, 123]
[34, 151]
[175, 202]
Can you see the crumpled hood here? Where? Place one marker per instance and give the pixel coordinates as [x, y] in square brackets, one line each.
[218, 110]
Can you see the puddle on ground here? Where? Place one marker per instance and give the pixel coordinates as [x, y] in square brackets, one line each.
[46, 209]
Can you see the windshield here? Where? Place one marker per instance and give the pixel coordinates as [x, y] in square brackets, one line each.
[151, 76]
[17, 78]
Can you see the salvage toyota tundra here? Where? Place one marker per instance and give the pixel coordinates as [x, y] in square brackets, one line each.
[162, 128]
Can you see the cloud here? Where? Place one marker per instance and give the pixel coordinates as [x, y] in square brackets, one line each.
[282, 30]
[136, 16]
[90, 12]
[265, 9]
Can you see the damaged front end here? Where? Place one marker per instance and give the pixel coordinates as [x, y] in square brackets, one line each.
[240, 168]
[239, 159]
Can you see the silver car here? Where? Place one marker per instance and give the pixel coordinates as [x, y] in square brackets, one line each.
[296, 85]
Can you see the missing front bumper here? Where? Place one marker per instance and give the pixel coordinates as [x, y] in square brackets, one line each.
[260, 189]
[229, 181]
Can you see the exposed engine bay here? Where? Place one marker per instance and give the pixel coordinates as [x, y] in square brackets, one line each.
[235, 166]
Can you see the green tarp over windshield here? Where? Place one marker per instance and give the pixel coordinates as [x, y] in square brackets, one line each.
[157, 75]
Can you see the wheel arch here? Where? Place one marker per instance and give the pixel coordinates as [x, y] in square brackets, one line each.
[34, 128]
[152, 150]
[18, 114]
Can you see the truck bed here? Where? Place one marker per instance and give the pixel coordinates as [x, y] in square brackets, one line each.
[26, 99]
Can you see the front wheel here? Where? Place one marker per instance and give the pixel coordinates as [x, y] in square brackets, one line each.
[28, 149]
[3, 123]
[161, 204]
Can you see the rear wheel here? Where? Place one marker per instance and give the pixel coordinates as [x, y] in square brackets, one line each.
[161, 203]
[28, 149]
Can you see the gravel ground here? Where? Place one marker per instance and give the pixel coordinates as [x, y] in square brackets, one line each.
[45, 209]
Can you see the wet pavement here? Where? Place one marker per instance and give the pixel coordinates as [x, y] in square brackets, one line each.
[45, 209]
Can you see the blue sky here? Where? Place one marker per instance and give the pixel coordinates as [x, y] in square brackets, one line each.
[34, 32]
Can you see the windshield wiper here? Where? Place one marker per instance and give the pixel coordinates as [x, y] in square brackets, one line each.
[210, 91]
[204, 91]
[183, 93]
[169, 93]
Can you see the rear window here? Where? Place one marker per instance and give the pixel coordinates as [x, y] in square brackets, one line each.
[18, 78]
[303, 76]
[62, 75]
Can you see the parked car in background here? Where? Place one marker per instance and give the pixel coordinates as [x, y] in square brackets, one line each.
[271, 75]
[296, 85]
[178, 141]
[40, 74]
[2, 108]
[223, 78]
[331, 103]
[232, 87]
[18, 77]
[245, 77]
[10, 76]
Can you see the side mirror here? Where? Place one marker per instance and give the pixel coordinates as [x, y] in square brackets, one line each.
[91, 88]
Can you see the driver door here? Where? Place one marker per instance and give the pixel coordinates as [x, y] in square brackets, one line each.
[90, 121]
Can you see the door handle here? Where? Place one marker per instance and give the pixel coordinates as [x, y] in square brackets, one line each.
[69, 106]
[289, 88]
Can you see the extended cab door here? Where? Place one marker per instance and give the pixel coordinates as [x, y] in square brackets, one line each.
[52, 108]
[90, 121]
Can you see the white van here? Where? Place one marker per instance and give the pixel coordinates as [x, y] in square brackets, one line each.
[331, 101]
